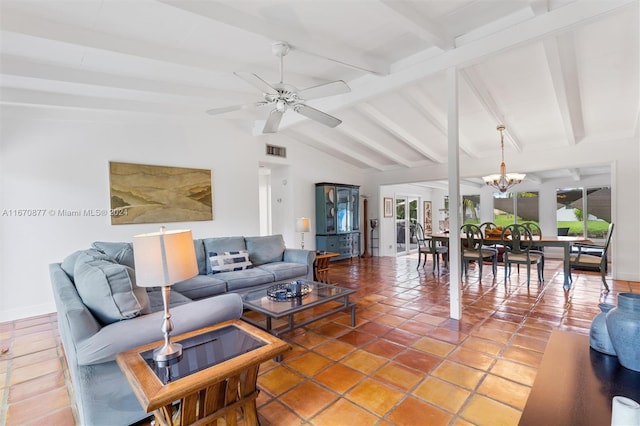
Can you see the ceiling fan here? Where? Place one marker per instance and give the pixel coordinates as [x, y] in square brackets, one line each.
[285, 96]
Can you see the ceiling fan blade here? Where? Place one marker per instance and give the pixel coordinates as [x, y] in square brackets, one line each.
[271, 126]
[222, 110]
[317, 115]
[328, 89]
[256, 81]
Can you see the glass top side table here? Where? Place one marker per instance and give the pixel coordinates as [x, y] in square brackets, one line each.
[216, 374]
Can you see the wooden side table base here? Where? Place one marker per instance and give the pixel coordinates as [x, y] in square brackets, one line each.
[222, 390]
[220, 400]
[321, 267]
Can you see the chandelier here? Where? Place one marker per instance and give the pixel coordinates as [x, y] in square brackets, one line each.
[504, 180]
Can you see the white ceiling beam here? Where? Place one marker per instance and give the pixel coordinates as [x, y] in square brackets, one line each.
[472, 78]
[338, 147]
[429, 111]
[535, 179]
[16, 96]
[563, 67]
[25, 25]
[298, 39]
[554, 22]
[575, 174]
[418, 24]
[23, 67]
[384, 121]
[372, 144]
[538, 7]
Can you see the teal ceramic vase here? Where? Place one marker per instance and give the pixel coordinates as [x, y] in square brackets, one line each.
[599, 335]
[623, 323]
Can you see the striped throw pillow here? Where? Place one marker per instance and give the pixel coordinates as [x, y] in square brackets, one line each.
[229, 261]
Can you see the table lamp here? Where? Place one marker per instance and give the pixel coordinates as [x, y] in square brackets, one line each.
[162, 259]
[302, 226]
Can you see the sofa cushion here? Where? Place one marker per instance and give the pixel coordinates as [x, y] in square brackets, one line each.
[201, 256]
[109, 290]
[238, 280]
[285, 270]
[120, 252]
[200, 287]
[222, 244]
[265, 249]
[69, 263]
[229, 261]
[157, 304]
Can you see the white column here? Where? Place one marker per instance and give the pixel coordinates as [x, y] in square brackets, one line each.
[455, 286]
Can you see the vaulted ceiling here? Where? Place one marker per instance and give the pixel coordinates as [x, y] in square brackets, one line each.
[556, 72]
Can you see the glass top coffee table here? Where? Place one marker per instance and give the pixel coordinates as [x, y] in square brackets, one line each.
[316, 294]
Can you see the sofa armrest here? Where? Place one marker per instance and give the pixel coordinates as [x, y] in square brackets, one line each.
[300, 256]
[307, 257]
[120, 336]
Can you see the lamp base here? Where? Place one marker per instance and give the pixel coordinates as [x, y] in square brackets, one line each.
[167, 352]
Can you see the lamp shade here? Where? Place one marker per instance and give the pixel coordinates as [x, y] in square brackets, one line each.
[302, 224]
[164, 258]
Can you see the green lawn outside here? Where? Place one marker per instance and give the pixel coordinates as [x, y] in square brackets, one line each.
[595, 228]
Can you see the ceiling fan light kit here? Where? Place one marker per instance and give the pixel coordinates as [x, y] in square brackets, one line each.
[284, 97]
[503, 181]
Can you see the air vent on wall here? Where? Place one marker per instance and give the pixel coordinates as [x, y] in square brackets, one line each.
[277, 151]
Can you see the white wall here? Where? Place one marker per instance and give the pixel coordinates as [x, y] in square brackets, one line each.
[54, 159]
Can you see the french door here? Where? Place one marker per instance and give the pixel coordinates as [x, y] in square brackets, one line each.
[406, 218]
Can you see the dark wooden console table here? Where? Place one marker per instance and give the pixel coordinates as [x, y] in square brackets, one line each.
[575, 384]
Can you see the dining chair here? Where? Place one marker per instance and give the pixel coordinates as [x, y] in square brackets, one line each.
[488, 228]
[491, 233]
[473, 248]
[536, 232]
[518, 243]
[597, 261]
[426, 246]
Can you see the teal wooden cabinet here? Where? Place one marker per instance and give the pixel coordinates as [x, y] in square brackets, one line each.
[338, 219]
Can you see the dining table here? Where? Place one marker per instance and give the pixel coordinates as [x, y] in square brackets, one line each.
[541, 241]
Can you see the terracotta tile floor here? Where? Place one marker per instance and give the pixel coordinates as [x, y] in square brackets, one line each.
[405, 362]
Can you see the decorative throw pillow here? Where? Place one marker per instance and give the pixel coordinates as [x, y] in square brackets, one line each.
[109, 290]
[69, 262]
[229, 261]
[120, 252]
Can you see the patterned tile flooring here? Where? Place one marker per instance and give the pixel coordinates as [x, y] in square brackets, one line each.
[405, 362]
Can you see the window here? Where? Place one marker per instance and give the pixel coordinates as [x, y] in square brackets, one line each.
[572, 205]
[471, 209]
[519, 207]
[527, 207]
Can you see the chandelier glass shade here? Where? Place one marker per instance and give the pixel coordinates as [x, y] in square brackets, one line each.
[503, 181]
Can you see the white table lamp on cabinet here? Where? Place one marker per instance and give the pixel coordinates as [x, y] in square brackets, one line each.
[302, 226]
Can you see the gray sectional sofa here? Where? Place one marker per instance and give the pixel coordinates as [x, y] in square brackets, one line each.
[101, 312]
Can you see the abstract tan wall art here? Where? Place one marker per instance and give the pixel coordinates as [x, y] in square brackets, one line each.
[157, 194]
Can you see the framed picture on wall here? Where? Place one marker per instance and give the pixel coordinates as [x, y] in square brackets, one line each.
[388, 207]
[427, 217]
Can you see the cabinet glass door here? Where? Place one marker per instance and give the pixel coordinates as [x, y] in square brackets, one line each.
[355, 202]
[344, 209]
[330, 211]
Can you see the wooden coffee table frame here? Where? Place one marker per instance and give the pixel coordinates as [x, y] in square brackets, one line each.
[209, 394]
